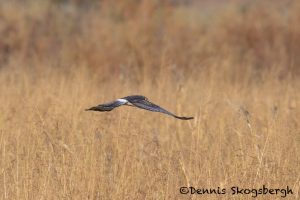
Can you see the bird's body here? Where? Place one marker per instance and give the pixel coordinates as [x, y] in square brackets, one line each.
[136, 101]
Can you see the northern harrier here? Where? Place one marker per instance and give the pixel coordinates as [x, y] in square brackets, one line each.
[136, 101]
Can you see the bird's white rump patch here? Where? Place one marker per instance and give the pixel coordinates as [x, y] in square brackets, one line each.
[122, 100]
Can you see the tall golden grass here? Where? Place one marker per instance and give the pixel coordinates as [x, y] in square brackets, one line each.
[235, 67]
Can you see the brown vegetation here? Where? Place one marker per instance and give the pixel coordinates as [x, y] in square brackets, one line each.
[235, 67]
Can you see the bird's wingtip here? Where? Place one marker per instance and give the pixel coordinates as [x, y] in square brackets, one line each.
[187, 118]
[184, 118]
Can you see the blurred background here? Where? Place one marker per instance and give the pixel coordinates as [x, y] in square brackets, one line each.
[232, 64]
[137, 39]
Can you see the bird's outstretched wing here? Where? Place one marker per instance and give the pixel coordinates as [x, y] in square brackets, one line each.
[108, 106]
[147, 105]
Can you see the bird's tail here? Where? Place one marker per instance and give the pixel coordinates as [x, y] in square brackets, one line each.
[92, 108]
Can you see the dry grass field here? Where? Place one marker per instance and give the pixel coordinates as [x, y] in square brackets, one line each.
[234, 66]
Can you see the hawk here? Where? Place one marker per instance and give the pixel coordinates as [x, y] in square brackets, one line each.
[136, 101]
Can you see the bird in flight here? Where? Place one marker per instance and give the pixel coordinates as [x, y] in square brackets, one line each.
[136, 101]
